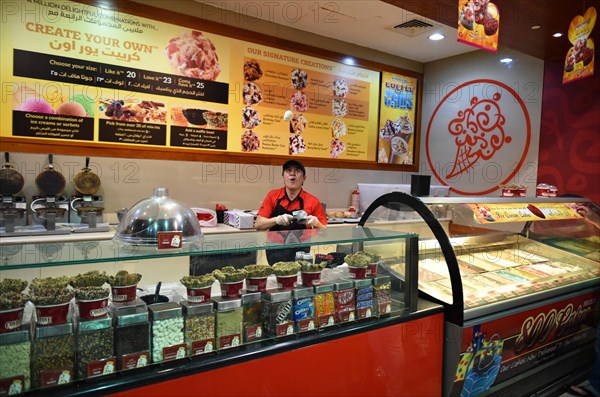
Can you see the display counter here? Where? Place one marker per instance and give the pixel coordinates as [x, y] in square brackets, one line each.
[365, 343]
[519, 279]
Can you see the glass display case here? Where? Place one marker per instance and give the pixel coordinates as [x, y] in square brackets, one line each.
[519, 279]
[166, 353]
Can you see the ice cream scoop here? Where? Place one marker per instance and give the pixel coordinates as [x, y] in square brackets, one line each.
[85, 101]
[36, 105]
[71, 109]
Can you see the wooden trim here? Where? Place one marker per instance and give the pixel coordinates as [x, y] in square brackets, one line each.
[37, 145]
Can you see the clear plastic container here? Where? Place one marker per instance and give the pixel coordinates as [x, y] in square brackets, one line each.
[382, 288]
[199, 323]
[364, 298]
[303, 309]
[15, 361]
[95, 348]
[345, 301]
[324, 305]
[132, 337]
[53, 357]
[167, 332]
[229, 319]
[252, 308]
[277, 313]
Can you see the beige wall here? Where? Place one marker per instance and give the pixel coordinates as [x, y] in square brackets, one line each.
[196, 184]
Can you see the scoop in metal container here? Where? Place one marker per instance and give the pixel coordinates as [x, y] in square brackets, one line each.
[159, 213]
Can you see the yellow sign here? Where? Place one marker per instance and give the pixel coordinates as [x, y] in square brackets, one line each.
[522, 212]
[75, 72]
[478, 24]
[579, 61]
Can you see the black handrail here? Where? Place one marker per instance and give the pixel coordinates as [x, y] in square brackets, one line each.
[454, 312]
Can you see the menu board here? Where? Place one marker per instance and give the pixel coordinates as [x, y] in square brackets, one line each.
[397, 119]
[77, 73]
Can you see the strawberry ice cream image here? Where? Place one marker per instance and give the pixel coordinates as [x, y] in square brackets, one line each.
[71, 109]
[36, 105]
[193, 55]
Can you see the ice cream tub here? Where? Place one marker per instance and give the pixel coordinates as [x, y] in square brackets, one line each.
[93, 309]
[513, 191]
[11, 320]
[198, 295]
[310, 279]
[232, 290]
[256, 284]
[357, 272]
[287, 282]
[126, 293]
[372, 269]
[52, 314]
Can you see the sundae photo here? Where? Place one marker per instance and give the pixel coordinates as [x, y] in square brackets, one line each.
[193, 55]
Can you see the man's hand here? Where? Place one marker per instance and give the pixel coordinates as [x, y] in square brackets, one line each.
[312, 221]
[283, 219]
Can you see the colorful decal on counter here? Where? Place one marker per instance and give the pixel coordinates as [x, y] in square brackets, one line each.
[12, 386]
[144, 82]
[520, 212]
[397, 116]
[579, 61]
[478, 24]
[471, 141]
[480, 364]
[495, 351]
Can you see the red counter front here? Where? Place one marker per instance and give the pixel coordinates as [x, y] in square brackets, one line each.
[399, 360]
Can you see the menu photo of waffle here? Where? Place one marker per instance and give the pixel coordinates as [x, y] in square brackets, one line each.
[198, 118]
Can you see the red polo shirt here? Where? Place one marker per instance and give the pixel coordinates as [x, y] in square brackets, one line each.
[312, 205]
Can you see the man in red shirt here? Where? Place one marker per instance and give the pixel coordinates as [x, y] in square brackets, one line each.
[277, 210]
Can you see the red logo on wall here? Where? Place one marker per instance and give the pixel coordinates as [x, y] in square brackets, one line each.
[479, 136]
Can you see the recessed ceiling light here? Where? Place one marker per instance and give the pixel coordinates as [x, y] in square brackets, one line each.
[348, 61]
[535, 27]
[557, 34]
[436, 36]
[506, 60]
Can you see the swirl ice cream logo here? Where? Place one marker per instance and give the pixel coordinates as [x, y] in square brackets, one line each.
[478, 137]
[479, 132]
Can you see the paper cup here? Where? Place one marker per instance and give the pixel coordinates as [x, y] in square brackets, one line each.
[256, 284]
[52, 314]
[196, 296]
[357, 272]
[287, 282]
[232, 290]
[126, 293]
[93, 309]
[310, 279]
[11, 320]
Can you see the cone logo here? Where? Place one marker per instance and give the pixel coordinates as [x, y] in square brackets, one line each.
[479, 133]
[478, 137]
